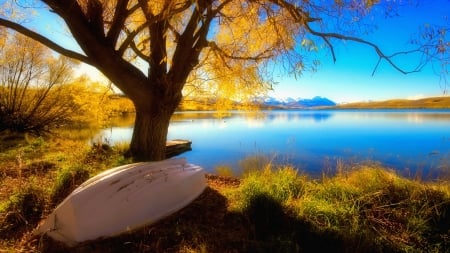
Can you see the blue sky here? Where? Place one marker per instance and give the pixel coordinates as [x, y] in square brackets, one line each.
[350, 77]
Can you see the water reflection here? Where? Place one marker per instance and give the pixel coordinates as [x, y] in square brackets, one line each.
[317, 116]
[400, 139]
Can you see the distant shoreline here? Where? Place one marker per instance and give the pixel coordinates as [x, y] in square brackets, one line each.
[424, 103]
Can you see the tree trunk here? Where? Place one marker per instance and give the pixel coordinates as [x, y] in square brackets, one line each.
[149, 135]
[151, 126]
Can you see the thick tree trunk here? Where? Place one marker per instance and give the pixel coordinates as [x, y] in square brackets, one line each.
[151, 127]
[149, 135]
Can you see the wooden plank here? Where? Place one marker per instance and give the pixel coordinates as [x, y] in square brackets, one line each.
[177, 146]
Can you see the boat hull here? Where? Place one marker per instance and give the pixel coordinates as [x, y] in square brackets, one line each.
[124, 198]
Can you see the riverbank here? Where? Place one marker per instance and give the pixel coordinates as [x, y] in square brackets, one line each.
[361, 208]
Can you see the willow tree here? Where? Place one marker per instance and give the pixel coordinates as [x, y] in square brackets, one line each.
[150, 49]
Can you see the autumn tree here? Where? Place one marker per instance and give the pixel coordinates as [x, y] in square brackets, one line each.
[33, 95]
[152, 49]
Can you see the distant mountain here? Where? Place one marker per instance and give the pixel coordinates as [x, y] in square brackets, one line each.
[297, 103]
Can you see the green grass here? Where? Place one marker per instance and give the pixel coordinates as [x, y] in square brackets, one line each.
[280, 184]
[366, 207]
[363, 208]
[66, 181]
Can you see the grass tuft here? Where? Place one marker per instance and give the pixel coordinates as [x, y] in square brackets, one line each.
[279, 184]
[22, 211]
[224, 171]
[66, 181]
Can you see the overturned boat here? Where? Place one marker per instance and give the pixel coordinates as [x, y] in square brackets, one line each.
[124, 198]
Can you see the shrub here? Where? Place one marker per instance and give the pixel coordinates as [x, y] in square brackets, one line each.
[32, 92]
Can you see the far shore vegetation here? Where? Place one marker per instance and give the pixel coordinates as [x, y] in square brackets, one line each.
[210, 104]
[442, 102]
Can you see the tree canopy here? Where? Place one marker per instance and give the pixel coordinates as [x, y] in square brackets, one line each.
[151, 50]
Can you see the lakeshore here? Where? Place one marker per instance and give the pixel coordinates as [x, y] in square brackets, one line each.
[268, 208]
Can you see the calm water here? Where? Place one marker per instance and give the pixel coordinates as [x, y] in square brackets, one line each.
[314, 140]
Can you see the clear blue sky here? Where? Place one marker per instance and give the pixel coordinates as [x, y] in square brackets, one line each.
[350, 78]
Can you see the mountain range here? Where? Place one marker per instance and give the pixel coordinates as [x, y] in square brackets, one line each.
[297, 102]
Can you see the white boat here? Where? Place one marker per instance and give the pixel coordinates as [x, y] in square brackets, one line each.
[124, 198]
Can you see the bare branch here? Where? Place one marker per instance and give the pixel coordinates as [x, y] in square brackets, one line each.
[330, 46]
[45, 41]
[325, 36]
[305, 19]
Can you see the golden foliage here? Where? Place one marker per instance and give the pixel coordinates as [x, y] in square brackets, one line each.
[38, 91]
[32, 92]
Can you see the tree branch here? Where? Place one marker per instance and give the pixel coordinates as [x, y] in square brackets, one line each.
[258, 57]
[379, 52]
[94, 13]
[158, 48]
[138, 52]
[130, 37]
[45, 41]
[143, 4]
[120, 15]
[305, 19]
[297, 13]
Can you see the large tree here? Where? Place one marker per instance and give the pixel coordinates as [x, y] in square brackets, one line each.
[150, 49]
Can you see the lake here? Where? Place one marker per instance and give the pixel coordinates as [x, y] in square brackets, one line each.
[410, 141]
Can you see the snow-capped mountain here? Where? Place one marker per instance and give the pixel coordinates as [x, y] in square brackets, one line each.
[298, 102]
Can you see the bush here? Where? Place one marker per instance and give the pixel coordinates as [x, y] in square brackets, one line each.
[32, 92]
